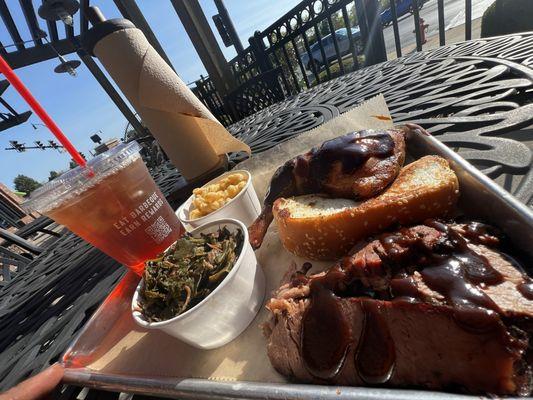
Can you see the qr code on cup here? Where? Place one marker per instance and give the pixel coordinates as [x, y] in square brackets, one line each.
[158, 230]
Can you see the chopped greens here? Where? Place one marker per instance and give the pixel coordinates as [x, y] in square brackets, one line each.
[187, 272]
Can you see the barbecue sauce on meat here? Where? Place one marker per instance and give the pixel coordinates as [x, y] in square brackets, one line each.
[336, 168]
[325, 334]
[453, 270]
[351, 150]
[375, 355]
[481, 233]
[282, 183]
[299, 278]
[449, 267]
[456, 274]
[304, 174]
[404, 289]
[526, 289]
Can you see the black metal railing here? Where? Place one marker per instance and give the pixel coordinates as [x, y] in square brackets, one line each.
[10, 216]
[205, 90]
[321, 39]
[244, 66]
[306, 40]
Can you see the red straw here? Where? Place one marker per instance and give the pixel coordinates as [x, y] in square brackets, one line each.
[39, 110]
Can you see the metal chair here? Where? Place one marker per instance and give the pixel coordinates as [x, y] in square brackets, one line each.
[12, 238]
[207, 93]
[41, 224]
[11, 264]
[257, 93]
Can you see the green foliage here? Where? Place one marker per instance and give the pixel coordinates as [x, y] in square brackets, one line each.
[384, 4]
[334, 67]
[25, 184]
[73, 164]
[291, 60]
[338, 22]
[53, 175]
[507, 16]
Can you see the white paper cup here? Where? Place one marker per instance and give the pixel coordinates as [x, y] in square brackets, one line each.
[244, 207]
[225, 312]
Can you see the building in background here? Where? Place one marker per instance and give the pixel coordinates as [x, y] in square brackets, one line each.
[11, 213]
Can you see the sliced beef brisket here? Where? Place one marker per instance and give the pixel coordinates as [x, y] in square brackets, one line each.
[434, 305]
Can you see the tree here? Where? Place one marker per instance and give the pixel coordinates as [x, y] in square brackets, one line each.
[53, 175]
[25, 184]
[384, 4]
[73, 164]
[338, 22]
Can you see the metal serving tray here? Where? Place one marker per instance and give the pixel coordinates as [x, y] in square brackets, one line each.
[480, 198]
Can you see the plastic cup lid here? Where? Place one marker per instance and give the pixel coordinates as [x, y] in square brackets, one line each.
[77, 180]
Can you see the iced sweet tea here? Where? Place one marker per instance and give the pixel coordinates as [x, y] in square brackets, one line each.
[124, 214]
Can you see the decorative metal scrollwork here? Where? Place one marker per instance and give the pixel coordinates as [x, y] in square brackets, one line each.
[475, 96]
[471, 94]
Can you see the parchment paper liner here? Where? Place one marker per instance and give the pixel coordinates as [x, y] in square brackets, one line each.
[130, 350]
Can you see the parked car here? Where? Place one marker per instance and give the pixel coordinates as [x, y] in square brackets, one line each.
[343, 42]
[402, 7]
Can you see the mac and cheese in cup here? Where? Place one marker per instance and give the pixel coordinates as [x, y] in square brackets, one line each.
[231, 195]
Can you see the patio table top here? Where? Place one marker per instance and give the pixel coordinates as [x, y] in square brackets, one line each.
[474, 96]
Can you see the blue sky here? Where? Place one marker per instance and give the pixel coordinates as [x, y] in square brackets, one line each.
[79, 105]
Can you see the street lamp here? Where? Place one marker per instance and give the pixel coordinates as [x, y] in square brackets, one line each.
[65, 65]
[55, 10]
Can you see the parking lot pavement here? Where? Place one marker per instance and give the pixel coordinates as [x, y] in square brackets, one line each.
[454, 18]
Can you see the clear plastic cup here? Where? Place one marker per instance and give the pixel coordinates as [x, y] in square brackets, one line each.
[114, 204]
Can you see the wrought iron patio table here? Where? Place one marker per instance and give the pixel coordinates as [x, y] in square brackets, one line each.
[475, 96]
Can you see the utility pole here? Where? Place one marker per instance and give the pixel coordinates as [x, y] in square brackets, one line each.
[195, 23]
[230, 28]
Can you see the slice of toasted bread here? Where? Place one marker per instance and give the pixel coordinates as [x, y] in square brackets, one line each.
[322, 228]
